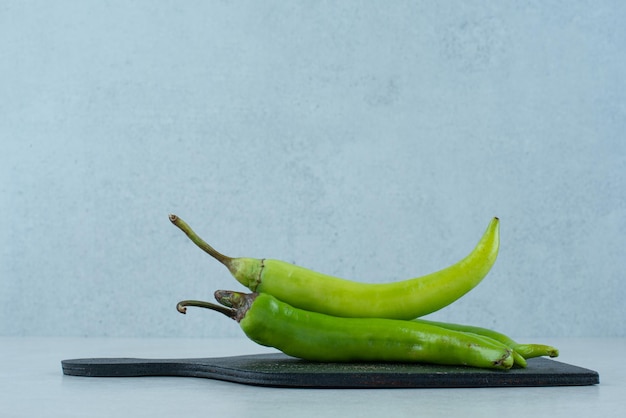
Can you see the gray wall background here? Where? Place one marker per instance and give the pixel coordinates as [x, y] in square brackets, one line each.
[369, 140]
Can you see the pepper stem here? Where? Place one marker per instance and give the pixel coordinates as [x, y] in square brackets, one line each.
[182, 307]
[182, 225]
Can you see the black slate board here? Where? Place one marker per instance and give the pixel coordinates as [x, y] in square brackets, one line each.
[279, 370]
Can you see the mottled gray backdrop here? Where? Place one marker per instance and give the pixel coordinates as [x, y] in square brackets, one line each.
[369, 140]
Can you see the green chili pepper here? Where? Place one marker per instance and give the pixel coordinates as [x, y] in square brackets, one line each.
[525, 350]
[312, 291]
[320, 337]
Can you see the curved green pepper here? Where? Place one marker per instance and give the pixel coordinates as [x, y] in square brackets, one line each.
[313, 291]
[319, 337]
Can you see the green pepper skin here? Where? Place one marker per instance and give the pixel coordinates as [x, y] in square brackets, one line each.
[317, 292]
[525, 350]
[319, 337]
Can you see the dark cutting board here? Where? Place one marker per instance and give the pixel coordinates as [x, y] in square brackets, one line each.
[279, 370]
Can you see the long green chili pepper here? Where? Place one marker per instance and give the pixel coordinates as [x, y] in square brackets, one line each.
[525, 350]
[313, 291]
[320, 337]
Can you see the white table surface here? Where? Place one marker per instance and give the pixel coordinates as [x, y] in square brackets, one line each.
[32, 385]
